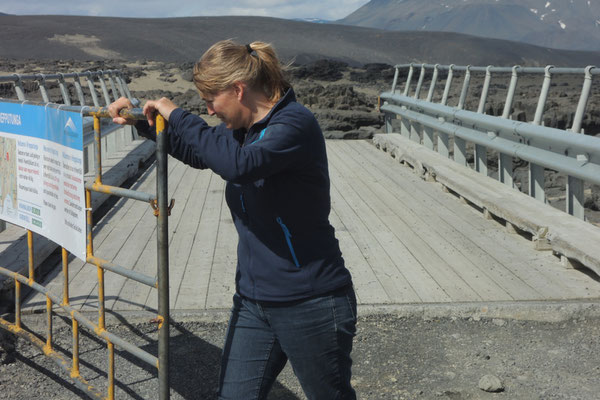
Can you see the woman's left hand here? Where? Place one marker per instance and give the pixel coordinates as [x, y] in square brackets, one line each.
[163, 106]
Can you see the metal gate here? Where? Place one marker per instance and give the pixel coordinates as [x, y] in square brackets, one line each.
[161, 207]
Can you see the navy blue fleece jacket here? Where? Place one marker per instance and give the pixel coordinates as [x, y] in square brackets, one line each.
[278, 193]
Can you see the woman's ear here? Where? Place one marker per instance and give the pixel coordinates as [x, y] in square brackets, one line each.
[239, 89]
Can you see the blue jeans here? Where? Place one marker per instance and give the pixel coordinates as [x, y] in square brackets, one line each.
[314, 334]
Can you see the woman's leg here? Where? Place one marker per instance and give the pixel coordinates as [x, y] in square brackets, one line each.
[316, 335]
[252, 357]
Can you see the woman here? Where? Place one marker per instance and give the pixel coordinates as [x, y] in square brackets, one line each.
[294, 298]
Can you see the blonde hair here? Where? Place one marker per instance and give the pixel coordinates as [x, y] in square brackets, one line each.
[226, 62]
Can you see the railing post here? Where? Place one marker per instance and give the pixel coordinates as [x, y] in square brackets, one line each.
[90, 82]
[405, 126]
[442, 144]
[481, 151]
[460, 146]
[163, 257]
[443, 137]
[433, 82]
[575, 195]
[505, 161]
[63, 90]
[536, 172]
[111, 81]
[79, 91]
[448, 84]
[125, 87]
[42, 85]
[415, 132]
[107, 100]
[19, 88]
[409, 79]
[420, 82]
[428, 137]
[395, 82]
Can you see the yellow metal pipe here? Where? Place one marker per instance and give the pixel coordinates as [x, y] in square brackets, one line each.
[89, 223]
[75, 369]
[30, 254]
[49, 323]
[54, 356]
[17, 304]
[160, 124]
[111, 371]
[65, 265]
[97, 140]
[101, 325]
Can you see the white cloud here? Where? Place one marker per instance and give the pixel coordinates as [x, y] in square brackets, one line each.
[325, 9]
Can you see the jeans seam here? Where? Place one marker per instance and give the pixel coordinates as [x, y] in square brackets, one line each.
[264, 368]
[338, 374]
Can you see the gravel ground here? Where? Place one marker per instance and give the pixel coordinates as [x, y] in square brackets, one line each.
[395, 358]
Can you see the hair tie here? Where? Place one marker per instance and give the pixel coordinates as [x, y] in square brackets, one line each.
[249, 48]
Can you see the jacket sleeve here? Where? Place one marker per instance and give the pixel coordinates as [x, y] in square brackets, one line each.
[192, 141]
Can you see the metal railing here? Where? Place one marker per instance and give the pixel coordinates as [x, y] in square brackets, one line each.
[566, 151]
[118, 86]
[114, 137]
[159, 203]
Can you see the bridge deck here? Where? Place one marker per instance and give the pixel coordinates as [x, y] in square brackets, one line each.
[404, 240]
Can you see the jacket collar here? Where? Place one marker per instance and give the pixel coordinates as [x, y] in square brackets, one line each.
[287, 98]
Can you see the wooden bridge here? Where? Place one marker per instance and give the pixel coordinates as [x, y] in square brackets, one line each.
[405, 239]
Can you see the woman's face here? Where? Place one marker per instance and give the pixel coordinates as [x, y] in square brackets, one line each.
[227, 107]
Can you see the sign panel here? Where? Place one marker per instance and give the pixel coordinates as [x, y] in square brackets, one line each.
[41, 173]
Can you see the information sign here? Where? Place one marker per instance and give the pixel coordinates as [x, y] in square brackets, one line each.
[41, 173]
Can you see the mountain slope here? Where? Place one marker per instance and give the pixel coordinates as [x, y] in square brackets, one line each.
[566, 24]
[185, 39]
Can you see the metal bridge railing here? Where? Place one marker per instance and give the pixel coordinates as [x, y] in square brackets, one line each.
[114, 137]
[567, 151]
[118, 85]
[159, 203]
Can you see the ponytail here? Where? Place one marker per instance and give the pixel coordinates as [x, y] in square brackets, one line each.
[226, 62]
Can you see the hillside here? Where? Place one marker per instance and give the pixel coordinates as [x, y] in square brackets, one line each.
[562, 24]
[185, 39]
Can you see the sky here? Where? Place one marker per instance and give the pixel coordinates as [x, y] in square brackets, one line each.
[324, 9]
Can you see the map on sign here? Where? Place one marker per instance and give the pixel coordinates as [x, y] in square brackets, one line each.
[8, 176]
[41, 173]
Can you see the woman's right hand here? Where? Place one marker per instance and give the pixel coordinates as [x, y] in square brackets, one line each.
[115, 108]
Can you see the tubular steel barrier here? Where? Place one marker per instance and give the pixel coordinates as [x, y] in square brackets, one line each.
[161, 207]
[113, 137]
[566, 151]
[115, 79]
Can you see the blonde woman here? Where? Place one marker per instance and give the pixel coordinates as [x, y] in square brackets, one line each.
[294, 298]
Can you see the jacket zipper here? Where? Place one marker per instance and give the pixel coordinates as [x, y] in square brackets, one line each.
[242, 201]
[288, 235]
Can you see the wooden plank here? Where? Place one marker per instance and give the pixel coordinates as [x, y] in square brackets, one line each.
[185, 235]
[366, 285]
[443, 239]
[431, 276]
[194, 285]
[179, 185]
[528, 265]
[351, 211]
[222, 278]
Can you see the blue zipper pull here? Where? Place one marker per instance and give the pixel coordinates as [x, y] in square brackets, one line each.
[242, 201]
[288, 235]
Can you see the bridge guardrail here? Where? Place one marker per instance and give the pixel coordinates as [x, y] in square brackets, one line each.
[159, 203]
[568, 152]
[114, 137]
